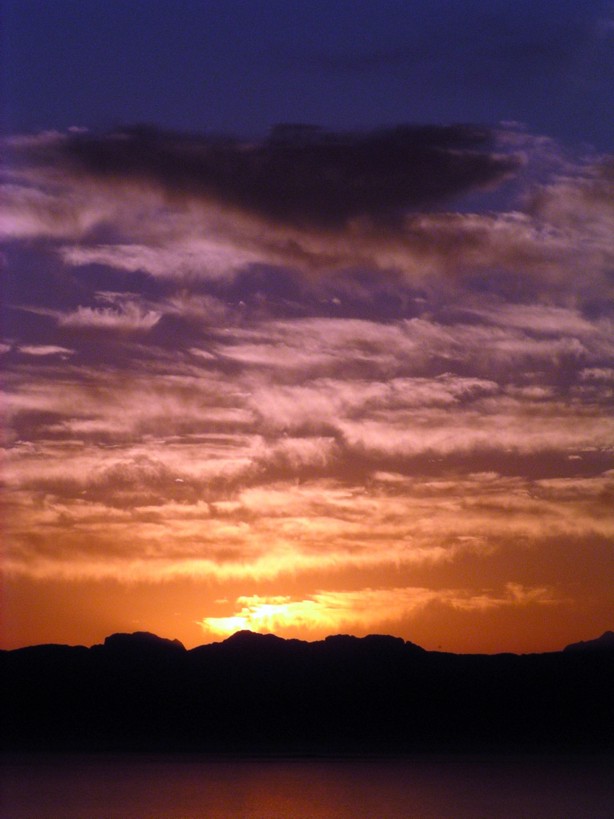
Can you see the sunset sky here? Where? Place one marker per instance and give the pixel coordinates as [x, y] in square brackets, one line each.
[308, 320]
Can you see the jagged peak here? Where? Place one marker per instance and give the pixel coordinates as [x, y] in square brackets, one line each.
[141, 640]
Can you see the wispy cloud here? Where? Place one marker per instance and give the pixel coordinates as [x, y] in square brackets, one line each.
[43, 349]
[129, 318]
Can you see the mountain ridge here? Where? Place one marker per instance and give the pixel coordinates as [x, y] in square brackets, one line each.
[259, 693]
[147, 639]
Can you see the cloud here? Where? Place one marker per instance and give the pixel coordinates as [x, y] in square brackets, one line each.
[300, 175]
[324, 205]
[185, 258]
[128, 318]
[178, 514]
[330, 612]
[119, 312]
[44, 350]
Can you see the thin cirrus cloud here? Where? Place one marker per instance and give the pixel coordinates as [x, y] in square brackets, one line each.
[130, 317]
[43, 349]
[348, 381]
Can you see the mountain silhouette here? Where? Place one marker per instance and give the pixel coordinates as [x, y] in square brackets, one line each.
[603, 643]
[258, 693]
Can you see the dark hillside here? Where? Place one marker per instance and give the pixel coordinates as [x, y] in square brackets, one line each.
[258, 693]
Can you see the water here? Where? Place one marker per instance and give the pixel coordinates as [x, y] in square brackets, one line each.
[176, 787]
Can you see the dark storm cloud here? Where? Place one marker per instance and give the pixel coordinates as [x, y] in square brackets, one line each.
[303, 175]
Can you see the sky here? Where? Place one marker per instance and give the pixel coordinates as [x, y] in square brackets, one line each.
[308, 320]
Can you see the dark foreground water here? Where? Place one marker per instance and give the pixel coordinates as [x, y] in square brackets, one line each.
[179, 787]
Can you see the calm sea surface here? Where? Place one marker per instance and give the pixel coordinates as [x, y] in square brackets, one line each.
[179, 787]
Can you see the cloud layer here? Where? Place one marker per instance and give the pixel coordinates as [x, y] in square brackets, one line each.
[341, 381]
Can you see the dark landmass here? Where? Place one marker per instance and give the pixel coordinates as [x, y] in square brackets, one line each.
[603, 643]
[257, 693]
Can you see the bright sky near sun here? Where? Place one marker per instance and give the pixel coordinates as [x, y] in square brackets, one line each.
[285, 346]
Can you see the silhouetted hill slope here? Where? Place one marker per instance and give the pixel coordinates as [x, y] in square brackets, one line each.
[142, 642]
[603, 643]
[259, 693]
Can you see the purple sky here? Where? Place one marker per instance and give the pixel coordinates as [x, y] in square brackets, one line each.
[239, 67]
